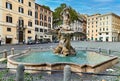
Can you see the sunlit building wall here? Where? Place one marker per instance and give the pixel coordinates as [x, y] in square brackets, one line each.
[43, 22]
[17, 21]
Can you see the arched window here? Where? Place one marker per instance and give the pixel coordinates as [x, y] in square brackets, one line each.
[49, 19]
[45, 18]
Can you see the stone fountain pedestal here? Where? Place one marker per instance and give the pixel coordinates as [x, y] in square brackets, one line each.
[64, 47]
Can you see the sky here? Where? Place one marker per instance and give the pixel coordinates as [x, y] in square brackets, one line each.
[86, 6]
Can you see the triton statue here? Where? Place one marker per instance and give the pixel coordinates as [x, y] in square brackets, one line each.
[64, 35]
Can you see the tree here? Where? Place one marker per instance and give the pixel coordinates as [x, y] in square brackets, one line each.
[46, 7]
[56, 14]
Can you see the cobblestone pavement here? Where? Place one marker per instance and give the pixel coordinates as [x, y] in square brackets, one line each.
[105, 45]
[58, 76]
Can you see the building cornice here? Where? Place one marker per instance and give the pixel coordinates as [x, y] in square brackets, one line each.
[42, 7]
[113, 14]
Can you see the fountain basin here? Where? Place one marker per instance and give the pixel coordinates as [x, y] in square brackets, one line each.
[84, 61]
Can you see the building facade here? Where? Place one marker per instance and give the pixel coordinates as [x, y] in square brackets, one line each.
[109, 27]
[17, 21]
[76, 26]
[79, 26]
[92, 27]
[43, 22]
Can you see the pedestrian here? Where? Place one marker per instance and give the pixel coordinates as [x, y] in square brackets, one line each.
[0, 39]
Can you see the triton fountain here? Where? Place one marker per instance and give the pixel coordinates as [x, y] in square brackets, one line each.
[64, 35]
[83, 61]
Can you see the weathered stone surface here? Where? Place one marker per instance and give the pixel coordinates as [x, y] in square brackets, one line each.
[64, 35]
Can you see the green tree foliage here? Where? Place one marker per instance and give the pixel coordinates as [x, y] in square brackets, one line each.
[46, 7]
[57, 17]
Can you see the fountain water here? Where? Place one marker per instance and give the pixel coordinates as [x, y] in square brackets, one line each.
[83, 61]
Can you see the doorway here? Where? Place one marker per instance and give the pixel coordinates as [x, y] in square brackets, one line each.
[20, 36]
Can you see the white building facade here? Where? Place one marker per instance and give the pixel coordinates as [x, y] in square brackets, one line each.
[77, 26]
[109, 27]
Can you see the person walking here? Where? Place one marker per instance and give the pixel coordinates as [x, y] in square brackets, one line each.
[0, 40]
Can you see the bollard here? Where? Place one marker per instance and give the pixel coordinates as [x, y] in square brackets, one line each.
[109, 51]
[67, 73]
[29, 48]
[20, 73]
[12, 51]
[99, 50]
[86, 48]
[5, 53]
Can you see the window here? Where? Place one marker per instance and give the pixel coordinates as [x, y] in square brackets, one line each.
[21, 22]
[29, 31]
[36, 7]
[41, 9]
[36, 14]
[41, 23]
[21, 1]
[107, 17]
[41, 30]
[9, 29]
[100, 34]
[45, 11]
[49, 13]
[49, 25]
[106, 28]
[45, 24]
[9, 19]
[21, 10]
[107, 33]
[45, 30]
[41, 17]
[30, 23]
[8, 5]
[45, 18]
[29, 3]
[107, 38]
[103, 29]
[30, 12]
[49, 19]
[36, 29]
[36, 22]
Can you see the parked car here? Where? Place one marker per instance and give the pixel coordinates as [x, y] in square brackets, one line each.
[56, 41]
[31, 42]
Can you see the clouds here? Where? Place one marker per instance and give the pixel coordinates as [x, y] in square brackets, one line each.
[85, 6]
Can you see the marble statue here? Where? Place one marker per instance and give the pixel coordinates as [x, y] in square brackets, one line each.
[64, 34]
